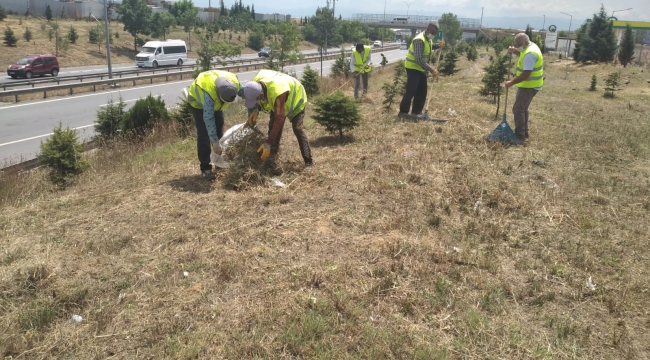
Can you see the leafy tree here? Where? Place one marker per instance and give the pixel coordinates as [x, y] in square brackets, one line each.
[72, 35]
[594, 82]
[562, 34]
[218, 51]
[109, 119]
[161, 22]
[450, 25]
[144, 114]
[63, 154]
[136, 15]
[3, 13]
[448, 65]
[256, 40]
[337, 113]
[582, 38]
[626, 50]
[285, 49]
[10, 38]
[27, 35]
[186, 14]
[48, 12]
[310, 80]
[243, 23]
[325, 24]
[611, 84]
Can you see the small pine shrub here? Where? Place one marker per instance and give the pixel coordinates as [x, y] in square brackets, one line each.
[594, 82]
[48, 12]
[63, 154]
[611, 84]
[72, 35]
[341, 66]
[10, 38]
[472, 53]
[310, 80]
[182, 115]
[27, 35]
[394, 89]
[337, 113]
[448, 66]
[3, 13]
[50, 34]
[117, 35]
[109, 119]
[144, 114]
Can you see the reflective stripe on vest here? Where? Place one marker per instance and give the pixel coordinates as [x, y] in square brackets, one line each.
[410, 62]
[359, 63]
[277, 84]
[205, 83]
[536, 78]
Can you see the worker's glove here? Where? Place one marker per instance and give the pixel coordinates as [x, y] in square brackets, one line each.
[265, 149]
[252, 118]
[441, 44]
[216, 148]
[434, 72]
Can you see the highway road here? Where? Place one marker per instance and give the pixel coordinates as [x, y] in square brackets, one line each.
[102, 69]
[24, 125]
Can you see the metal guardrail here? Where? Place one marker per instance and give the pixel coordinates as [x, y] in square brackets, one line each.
[113, 82]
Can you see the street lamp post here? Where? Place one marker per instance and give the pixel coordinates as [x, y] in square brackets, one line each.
[383, 30]
[544, 23]
[108, 41]
[620, 10]
[569, 34]
[408, 5]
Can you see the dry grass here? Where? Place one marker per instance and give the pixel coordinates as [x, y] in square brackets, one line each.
[409, 240]
[84, 53]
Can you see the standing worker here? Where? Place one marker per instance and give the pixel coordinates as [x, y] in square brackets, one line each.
[210, 93]
[283, 97]
[417, 66]
[383, 60]
[529, 79]
[360, 65]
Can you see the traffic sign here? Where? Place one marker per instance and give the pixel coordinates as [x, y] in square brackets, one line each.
[552, 28]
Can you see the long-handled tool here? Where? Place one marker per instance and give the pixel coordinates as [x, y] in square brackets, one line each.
[425, 115]
[503, 132]
[347, 82]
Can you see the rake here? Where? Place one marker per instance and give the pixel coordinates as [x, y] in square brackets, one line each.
[425, 115]
[503, 132]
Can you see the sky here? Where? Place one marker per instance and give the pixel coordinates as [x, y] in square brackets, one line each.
[513, 14]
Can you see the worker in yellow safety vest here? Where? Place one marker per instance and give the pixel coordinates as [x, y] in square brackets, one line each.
[529, 79]
[283, 96]
[210, 93]
[417, 66]
[360, 67]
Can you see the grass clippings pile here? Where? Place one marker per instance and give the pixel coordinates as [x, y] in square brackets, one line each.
[246, 168]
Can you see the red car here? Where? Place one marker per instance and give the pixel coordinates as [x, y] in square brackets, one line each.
[32, 65]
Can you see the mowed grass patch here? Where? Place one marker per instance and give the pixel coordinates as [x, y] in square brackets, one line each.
[409, 239]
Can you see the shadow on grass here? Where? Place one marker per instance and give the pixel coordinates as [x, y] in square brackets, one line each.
[193, 183]
[332, 140]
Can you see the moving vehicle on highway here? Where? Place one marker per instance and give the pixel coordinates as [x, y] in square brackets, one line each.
[377, 43]
[33, 65]
[400, 20]
[159, 53]
[264, 52]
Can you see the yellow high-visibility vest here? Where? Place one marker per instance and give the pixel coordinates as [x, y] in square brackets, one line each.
[410, 63]
[359, 61]
[205, 83]
[536, 78]
[278, 83]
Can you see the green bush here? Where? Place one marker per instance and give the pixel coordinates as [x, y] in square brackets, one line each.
[182, 115]
[256, 40]
[594, 82]
[3, 13]
[144, 114]
[72, 35]
[10, 38]
[341, 66]
[27, 35]
[394, 89]
[63, 154]
[337, 113]
[109, 119]
[472, 53]
[310, 80]
[448, 65]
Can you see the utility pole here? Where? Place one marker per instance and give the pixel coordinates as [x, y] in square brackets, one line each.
[481, 25]
[108, 40]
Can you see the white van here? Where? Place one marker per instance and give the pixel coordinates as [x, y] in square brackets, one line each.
[400, 20]
[166, 52]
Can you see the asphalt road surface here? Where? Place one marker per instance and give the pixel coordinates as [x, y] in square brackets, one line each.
[24, 126]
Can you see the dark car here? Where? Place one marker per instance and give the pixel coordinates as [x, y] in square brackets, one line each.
[32, 65]
[264, 52]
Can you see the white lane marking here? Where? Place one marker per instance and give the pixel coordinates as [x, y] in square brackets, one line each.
[126, 101]
[40, 136]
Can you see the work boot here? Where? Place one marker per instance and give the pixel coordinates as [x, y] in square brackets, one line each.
[308, 167]
[403, 115]
[208, 175]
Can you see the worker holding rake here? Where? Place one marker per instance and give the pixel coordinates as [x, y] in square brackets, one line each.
[283, 96]
[417, 66]
[360, 67]
[210, 93]
[529, 79]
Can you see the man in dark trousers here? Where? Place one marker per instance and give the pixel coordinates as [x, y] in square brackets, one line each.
[208, 96]
[417, 66]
